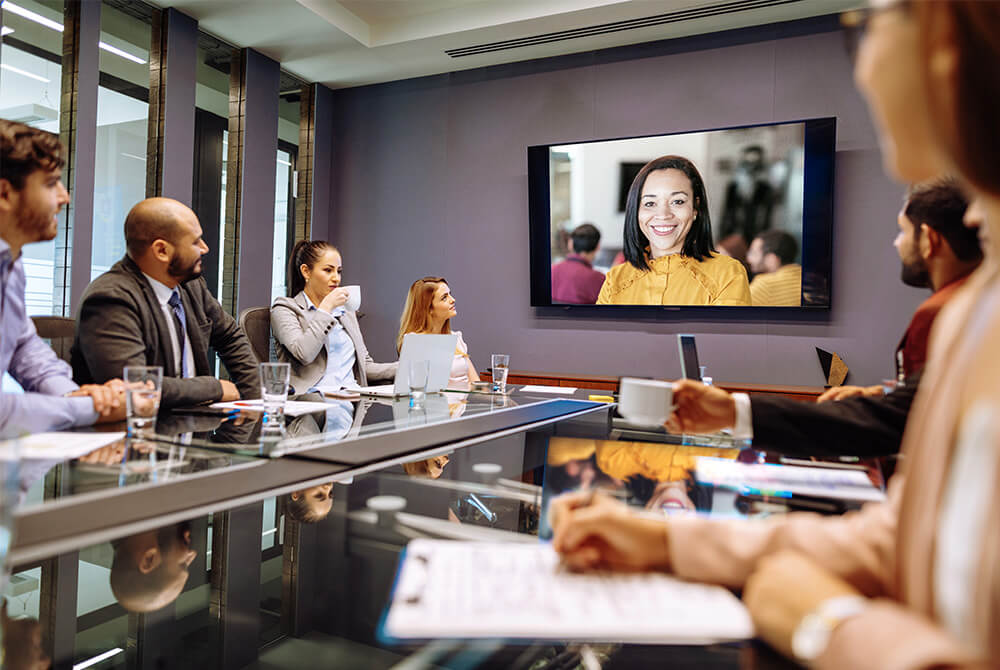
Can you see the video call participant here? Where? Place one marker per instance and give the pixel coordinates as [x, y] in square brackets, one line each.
[574, 280]
[912, 582]
[777, 280]
[31, 195]
[429, 308]
[314, 331]
[150, 569]
[668, 244]
[154, 308]
[939, 248]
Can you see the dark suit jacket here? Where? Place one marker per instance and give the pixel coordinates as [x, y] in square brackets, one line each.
[120, 323]
[853, 427]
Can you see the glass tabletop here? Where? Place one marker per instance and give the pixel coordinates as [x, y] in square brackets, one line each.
[306, 576]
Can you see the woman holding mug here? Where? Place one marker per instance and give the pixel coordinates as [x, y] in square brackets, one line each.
[668, 244]
[429, 308]
[316, 329]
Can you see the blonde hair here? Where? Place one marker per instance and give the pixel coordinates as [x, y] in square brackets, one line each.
[417, 310]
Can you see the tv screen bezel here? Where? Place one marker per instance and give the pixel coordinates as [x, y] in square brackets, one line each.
[820, 146]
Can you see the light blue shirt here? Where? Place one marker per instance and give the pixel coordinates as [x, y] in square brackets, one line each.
[340, 354]
[33, 364]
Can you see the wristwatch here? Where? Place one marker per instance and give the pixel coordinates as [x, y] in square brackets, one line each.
[813, 633]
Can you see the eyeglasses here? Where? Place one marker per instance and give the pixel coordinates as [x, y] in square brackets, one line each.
[855, 22]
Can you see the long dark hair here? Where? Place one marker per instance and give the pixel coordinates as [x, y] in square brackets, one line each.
[308, 253]
[697, 244]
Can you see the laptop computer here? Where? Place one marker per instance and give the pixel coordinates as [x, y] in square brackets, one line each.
[438, 349]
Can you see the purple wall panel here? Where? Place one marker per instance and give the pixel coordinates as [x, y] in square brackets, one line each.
[430, 177]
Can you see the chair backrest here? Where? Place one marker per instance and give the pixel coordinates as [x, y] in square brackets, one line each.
[255, 322]
[58, 331]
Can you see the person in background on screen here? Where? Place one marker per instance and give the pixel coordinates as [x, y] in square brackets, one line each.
[748, 203]
[429, 308]
[668, 244]
[913, 582]
[777, 278]
[315, 332]
[938, 246]
[31, 195]
[153, 307]
[574, 280]
[310, 505]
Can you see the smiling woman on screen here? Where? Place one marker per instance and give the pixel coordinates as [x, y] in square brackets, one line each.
[668, 244]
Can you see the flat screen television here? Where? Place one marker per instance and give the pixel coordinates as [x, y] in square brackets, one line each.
[732, 217]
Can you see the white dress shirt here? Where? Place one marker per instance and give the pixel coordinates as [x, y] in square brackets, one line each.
[163, 293]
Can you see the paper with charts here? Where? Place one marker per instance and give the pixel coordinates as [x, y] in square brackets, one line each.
[448, 589]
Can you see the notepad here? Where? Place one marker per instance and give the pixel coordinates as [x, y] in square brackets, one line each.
[561, 390]
[448, 589]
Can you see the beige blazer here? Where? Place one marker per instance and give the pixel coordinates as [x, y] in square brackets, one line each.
[888, 550]
[300, 339]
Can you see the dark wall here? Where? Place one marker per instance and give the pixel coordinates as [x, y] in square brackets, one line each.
[430, 177]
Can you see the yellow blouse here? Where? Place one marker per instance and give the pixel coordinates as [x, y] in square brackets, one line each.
[678, 280]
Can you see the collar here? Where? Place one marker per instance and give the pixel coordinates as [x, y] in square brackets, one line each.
[161, 290]
[5, 255]
[578, 259]
[337, 313]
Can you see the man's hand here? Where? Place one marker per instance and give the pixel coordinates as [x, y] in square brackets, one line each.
[108, 400]
[842, 392]
[596, 532]
[229, 391]
[783, 590]
[701, 408]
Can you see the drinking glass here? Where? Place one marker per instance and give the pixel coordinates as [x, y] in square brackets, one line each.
[501, 363]
[143, 385]
[274, 378]
[417, 375]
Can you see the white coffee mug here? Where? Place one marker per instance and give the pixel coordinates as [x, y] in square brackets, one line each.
[646, 402]
[354, 301]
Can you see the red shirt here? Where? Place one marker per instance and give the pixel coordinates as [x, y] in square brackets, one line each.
[574, 281]
[913, 346]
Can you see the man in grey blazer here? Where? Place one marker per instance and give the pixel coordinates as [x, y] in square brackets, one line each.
[154, 308]
[300, 334]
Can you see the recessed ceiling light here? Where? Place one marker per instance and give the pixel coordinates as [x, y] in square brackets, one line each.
[30, 15]
[5, 31]
[118, 52]
[24, 73]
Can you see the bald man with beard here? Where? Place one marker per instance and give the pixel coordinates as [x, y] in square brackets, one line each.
[154, 308]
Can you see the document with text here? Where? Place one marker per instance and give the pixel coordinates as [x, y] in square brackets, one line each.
[448, 589]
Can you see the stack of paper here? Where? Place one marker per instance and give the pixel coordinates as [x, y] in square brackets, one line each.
[448, 589]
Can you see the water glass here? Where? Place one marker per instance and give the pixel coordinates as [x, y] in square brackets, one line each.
[274, 379]
[501, 365]
[417, 375]
[143, 385]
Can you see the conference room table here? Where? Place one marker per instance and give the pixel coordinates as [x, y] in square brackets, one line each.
[264, 591]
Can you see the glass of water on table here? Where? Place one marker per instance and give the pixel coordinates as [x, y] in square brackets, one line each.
[500, 366]
[274, 380]
[143, 385]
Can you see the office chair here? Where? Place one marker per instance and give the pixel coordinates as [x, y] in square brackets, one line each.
[58, 331]
[255, 322]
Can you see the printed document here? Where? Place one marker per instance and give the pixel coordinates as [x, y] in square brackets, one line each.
[774, 479]
[448, 589]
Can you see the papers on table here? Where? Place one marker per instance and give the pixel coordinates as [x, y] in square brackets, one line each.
[562, 390]
[787, 480]
[292, 407]
[340, 392]
[448, 589]
[56, 446]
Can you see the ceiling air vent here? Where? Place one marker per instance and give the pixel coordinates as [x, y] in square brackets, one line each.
[618, 26]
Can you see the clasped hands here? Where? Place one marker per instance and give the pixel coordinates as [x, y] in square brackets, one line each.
[108, 399]
[596, 532]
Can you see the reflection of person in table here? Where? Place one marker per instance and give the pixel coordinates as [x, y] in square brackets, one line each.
[429, 467]
[310, 505]
[150, 569]
[668, 244]
[21, 642]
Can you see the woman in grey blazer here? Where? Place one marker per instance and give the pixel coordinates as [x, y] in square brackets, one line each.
[314, 330]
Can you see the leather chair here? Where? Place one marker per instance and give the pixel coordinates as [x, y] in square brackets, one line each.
[255, 322]
[58, 331]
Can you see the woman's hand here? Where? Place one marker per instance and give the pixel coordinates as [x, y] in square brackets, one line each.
[595, 532]
[338, 297]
